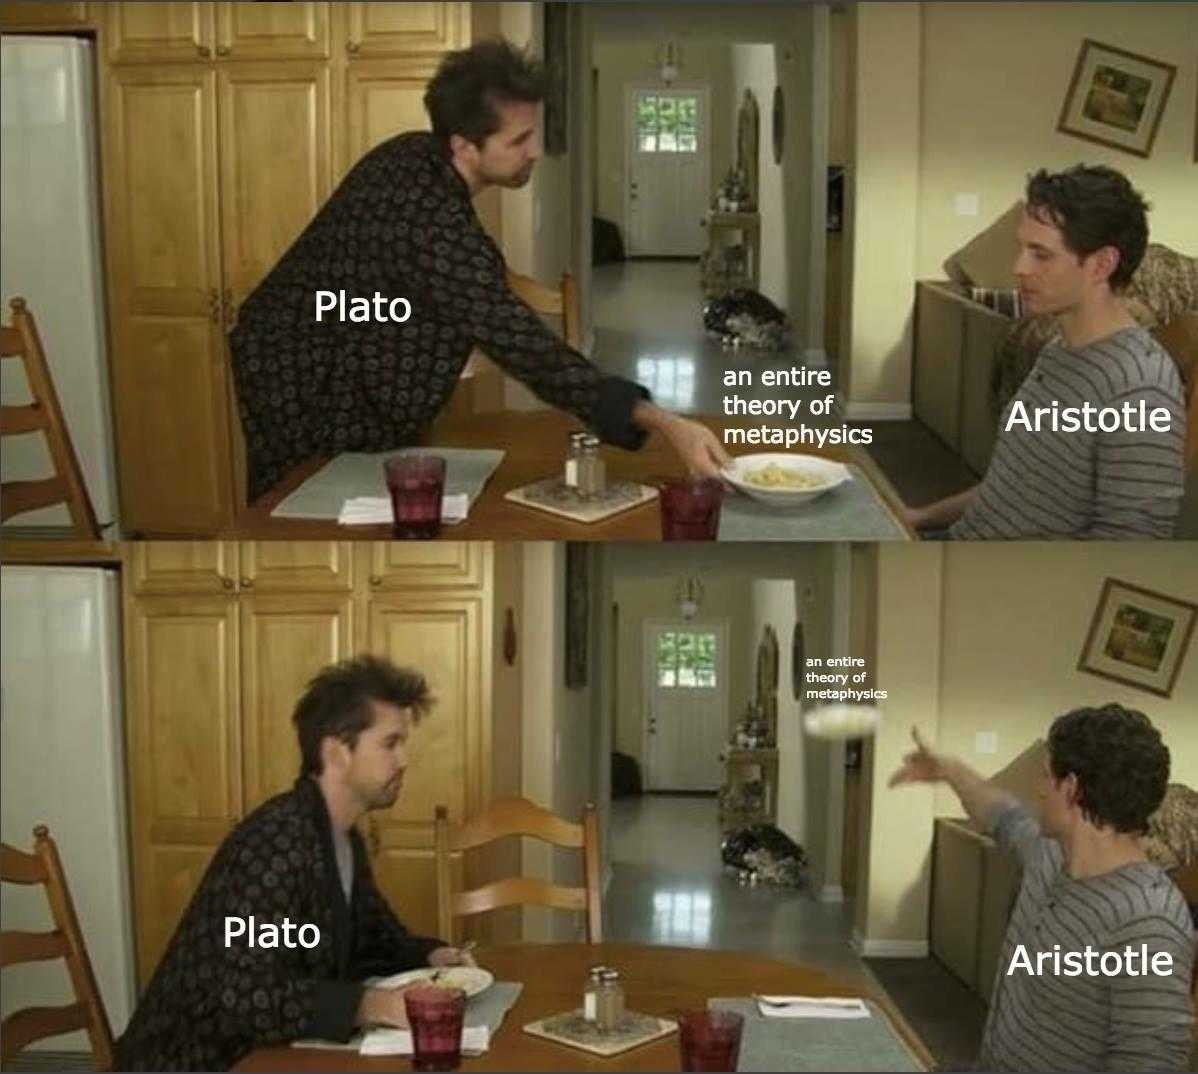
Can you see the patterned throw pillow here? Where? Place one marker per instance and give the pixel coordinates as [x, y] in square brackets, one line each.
[1172, 838]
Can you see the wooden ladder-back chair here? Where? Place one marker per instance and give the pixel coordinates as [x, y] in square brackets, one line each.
[44, 415]
[509, 817]
[23, 1027]
[551, 302]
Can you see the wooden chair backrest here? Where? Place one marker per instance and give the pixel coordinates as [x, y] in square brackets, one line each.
[551, 302]
[21, 340]
[512, 817]
[25, 1026]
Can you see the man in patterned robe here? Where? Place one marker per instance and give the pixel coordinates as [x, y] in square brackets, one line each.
[297, 858]
[403, 225]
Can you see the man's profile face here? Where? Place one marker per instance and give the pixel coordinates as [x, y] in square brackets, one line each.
[1052, 278]
[508, 156]
[378, 760]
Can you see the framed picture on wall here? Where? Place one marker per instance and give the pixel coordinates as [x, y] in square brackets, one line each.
[1116, 98]
[1138, 637]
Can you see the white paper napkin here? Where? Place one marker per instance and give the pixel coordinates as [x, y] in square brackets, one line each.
[399, 1041]
[375, 510]
[811, 1007]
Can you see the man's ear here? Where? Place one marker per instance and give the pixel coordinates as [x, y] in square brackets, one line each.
[460, 146]
[1071, 789]
[334, 754]
[1104, 262]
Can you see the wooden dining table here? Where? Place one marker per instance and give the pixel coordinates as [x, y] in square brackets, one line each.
[657, 980]
[534, 443]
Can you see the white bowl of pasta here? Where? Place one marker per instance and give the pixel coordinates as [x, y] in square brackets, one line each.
[783, 480]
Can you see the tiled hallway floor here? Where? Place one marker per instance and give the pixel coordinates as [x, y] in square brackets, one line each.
[668, 887]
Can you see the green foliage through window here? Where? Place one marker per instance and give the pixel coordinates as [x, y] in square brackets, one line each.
[667, 123]
[686, 659]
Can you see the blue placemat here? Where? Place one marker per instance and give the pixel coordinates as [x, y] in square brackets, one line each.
[353, 474]
[824, 1044]
[852, 512]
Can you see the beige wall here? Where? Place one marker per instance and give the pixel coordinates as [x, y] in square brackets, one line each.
[964, 98]
[984, 53]
[987, 638]
[754, 67]
[621, 61]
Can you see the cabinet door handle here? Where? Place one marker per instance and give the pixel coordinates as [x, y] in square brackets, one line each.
[227, 583]
[204, 52]
[247, 583]
[376, 580]
[223, 50]
[352, 47]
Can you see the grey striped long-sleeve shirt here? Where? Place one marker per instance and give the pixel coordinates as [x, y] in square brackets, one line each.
[1050, 1023]
[1113, 485]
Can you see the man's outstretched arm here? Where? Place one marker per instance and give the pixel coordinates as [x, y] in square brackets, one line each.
[982, 802]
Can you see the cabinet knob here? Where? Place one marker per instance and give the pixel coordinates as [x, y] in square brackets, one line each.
[203, 51]
[247, 583]
[223, 50]
[352, 47]
[376, 579]
[227, 583]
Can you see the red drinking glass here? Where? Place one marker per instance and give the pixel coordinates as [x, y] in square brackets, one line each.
[435, 1016]
[710, 1040]
[690, 509]
[416, 484]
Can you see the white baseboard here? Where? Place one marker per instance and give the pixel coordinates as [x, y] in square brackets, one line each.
[870, 948]
[831, 893]
[873, 411]
[815, 356]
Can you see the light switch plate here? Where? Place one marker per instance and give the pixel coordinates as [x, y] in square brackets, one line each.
[965, 204]
[986, 742]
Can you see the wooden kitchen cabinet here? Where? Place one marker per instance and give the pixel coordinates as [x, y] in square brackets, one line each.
[395, 30]
[170, 375]
[49, 15]
[297, 566]
[381, 101]
[275, 165]
[272, 31]
[213, 675]
[178, 567]
[159, 32]
[183, 724]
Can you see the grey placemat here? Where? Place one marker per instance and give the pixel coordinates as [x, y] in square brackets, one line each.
[827, 1044]
[489, 1008]
[353, 474]
[853, 512]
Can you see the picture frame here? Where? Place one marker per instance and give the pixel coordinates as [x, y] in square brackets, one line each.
[1138, 637]
[1116, 98]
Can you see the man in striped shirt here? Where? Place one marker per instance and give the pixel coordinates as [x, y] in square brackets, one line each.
[1082, 236]
[1088, 898]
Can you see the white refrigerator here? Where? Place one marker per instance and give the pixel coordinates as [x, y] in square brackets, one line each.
[50, 256]
[62, 765]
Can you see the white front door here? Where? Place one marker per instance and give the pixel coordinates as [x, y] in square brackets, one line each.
[686, 705]
[668, 172]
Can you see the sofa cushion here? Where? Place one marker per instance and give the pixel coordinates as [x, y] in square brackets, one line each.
[988, 259]
[1172, 838]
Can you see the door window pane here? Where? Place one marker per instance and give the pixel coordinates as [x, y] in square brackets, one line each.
[667, 123]
[686, 659]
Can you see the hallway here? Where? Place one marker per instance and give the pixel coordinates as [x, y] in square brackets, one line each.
[669, 887]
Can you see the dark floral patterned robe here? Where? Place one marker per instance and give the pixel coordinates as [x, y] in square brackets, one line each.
[207, 1005]
[402, 224]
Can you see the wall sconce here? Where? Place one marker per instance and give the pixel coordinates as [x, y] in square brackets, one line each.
[690, 596]
[668, 63]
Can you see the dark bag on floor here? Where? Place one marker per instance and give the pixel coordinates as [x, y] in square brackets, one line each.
[625, 776]
[606, 243]
[765, 852]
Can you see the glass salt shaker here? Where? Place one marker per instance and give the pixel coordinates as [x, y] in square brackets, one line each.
[611, 1001]
[574, 460]
[592, 471]
[590, 993]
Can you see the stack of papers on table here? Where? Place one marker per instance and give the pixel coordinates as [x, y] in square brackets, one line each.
[376, 510]
[395, 1042]
[811, 1007]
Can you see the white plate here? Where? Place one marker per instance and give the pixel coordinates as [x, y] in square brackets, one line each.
[828, 473]
[470, 979]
